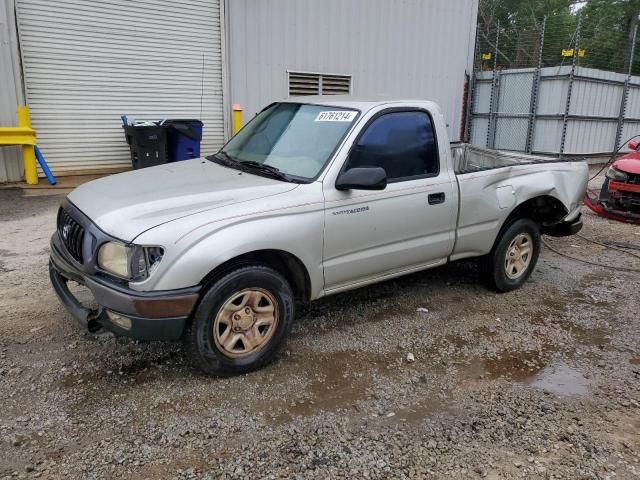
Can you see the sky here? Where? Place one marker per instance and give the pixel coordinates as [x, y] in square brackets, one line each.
[577, 6]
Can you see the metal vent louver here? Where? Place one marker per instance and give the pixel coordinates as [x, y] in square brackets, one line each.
[336, 85]
[318, 84]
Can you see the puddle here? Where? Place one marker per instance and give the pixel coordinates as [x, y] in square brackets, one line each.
[515, 365]
[561, 379]
[338, 381]
[531, 368]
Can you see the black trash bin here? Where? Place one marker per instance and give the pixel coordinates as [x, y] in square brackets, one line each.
[183, 139]
[147, 144]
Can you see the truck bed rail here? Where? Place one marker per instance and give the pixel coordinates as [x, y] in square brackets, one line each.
[469, 158]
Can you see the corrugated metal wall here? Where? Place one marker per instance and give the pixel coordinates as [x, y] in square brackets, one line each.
[403, 49]
[86, 63]
[593, 116]
[11, 167]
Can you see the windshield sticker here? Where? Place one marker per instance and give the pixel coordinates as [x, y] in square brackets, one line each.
[336, 116]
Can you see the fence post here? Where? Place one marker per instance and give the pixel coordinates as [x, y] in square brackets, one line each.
[471, 92]
[491, 134]
[496, 106]
[567, 109]
[535, 89]
[625, 91]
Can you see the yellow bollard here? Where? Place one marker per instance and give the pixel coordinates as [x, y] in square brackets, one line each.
[237, 117]
[28, 153]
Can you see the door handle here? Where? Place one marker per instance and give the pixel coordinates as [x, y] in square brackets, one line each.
[436, 198]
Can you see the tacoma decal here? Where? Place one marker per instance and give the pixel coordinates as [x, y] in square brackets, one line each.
[349, 211]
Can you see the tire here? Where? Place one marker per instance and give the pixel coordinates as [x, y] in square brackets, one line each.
[502, 273]
[250, 331]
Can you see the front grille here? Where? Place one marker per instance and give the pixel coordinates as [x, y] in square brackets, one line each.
[71, 233]
[633, 178]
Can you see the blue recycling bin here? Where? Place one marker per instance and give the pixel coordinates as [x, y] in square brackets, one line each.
[183, 139]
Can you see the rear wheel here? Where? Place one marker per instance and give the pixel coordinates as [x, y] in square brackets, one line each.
[513, 257]
[241, 321]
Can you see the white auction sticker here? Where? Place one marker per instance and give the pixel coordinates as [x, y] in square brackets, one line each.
[336, 116]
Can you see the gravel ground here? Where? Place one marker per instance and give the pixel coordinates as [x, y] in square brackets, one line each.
[426, 376]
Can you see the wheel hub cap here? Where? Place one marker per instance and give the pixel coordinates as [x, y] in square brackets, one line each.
[246, 322]
[518, 256]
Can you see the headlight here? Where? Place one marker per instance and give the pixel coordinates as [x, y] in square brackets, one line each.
[617, 175]
[130, 262]
[114, 258]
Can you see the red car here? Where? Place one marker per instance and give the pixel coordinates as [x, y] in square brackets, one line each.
[620, 195]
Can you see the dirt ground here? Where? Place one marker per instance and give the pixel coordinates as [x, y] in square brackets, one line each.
[543, 382]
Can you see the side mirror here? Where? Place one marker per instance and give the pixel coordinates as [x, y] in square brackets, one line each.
[633, 144]
[362, 178]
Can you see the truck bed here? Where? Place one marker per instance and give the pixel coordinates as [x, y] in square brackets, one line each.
[487, 199]
[469, 158]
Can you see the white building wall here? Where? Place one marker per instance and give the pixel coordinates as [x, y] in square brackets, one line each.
[11, 168]
[402, 49]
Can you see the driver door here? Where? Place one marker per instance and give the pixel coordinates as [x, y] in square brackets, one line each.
[408, 225]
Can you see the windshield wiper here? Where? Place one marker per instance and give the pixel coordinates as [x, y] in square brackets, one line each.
[267, 169]
[223, 158]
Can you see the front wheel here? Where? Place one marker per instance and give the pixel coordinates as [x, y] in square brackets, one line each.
[513, 257]
[241, 321]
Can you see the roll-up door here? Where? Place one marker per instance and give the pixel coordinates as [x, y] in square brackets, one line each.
[87, 62]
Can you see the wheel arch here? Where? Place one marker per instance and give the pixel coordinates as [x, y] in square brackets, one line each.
[285, 263]
[543, 209]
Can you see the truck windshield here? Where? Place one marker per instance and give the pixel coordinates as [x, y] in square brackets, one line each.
[297, 139]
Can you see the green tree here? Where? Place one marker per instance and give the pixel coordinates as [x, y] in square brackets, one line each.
[520, 28]
[607, 28]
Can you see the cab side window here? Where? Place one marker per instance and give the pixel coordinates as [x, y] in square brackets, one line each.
[403, 143]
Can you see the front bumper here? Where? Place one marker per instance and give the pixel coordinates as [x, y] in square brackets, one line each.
[564, 229]
[159, 315]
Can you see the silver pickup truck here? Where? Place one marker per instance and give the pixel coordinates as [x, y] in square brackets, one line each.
[310, 198]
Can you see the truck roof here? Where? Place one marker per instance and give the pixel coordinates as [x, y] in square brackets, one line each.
[362, 104]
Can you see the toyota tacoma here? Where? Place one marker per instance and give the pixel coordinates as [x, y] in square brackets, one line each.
[312, 197]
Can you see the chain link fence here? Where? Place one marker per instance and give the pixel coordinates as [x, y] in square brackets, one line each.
[554, 89]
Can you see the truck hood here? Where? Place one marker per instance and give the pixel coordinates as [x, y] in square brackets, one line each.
[127, 204]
